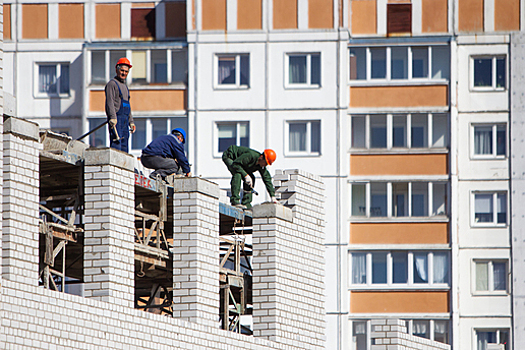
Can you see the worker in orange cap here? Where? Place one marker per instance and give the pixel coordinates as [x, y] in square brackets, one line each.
[118, 108]
[242, 162]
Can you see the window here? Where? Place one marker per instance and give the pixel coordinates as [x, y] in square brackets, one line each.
[407, 199]
[53, 79]
[490, 277]
[399, 18]
[233, 71]
[418, 63]
[232, 134]
[433, 329]
[304, 69]
[490, 208]
[399, 268]
[490, 141]
[493, 336]
[148, 129]
[394, 131]
[165, 66]
[304, 137]
[489, 73]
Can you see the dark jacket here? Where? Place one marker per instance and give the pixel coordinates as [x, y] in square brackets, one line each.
[168, 146]
[243, 160]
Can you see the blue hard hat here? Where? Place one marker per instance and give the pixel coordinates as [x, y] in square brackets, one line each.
[181, 130]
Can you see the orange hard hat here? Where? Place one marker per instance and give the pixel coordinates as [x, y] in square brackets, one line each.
[270, 156]
[124, 61]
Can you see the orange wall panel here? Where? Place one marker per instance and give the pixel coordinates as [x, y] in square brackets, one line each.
[399, 233]
[144, 100]
[399, 302]
[399, 96]
[34, 21]
[107, 17]
[175, 19]
[398, 164]
[71, 21]
[470, 15]
[284, 14]
[320, 14]
[7, 21]
[435, 16]
[213, 14]
[249, 14]
[364, 16]
[507, 15]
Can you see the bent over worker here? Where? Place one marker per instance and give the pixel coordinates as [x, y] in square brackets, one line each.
[118, 108]
[242, 162]
[166, 155]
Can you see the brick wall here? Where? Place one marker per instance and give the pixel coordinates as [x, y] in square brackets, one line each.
[391, 334]
[196, 251]
[20, 236]
[288, 263]
[109, 256]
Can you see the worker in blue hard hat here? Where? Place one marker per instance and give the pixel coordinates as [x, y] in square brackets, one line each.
[166, 155]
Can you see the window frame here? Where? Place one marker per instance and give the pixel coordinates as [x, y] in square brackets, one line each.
[237, 124]
[237, 85]
[58, 70]
[308, 84]
[388, 58]
[493, 87]
[408, 124]
[490, 278]
[308, 152]
[494, 155]
[410, 284]
[498, 332]
[494, 223]
[109, 68]
[390, 200]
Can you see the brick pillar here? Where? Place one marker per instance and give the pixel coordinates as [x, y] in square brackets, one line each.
[20, 201]
[196, 251]
[288, 263]
[109, 257]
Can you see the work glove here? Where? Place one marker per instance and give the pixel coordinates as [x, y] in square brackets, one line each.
[132, 127]
[274, 200]
[112, 122]
[248, 181]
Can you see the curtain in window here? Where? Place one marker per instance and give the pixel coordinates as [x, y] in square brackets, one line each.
[297, 141]
[483, 140]
[483, 207]
[227, 70]
[420, 267]
[64, 78]
[359, 268]
[482, 340]
[440, 268]
[482, 277]
[297, 69]
[440, 327]
[500, 276]
[420, 328]
[359, 328]
[47, 79]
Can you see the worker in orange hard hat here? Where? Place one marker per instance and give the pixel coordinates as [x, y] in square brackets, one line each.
[118, 108]
[242, 162]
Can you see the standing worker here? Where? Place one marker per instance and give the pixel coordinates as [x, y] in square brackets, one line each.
[118, 109]
[166, 155]
[242, 162]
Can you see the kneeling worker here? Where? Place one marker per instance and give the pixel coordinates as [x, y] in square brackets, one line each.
[166, 155]
[242, 162]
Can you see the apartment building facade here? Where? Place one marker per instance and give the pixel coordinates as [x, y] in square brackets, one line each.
[402, 106]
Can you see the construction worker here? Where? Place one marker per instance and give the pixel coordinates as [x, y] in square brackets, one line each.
[242, 162]
[166, 155]
[118, 109]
